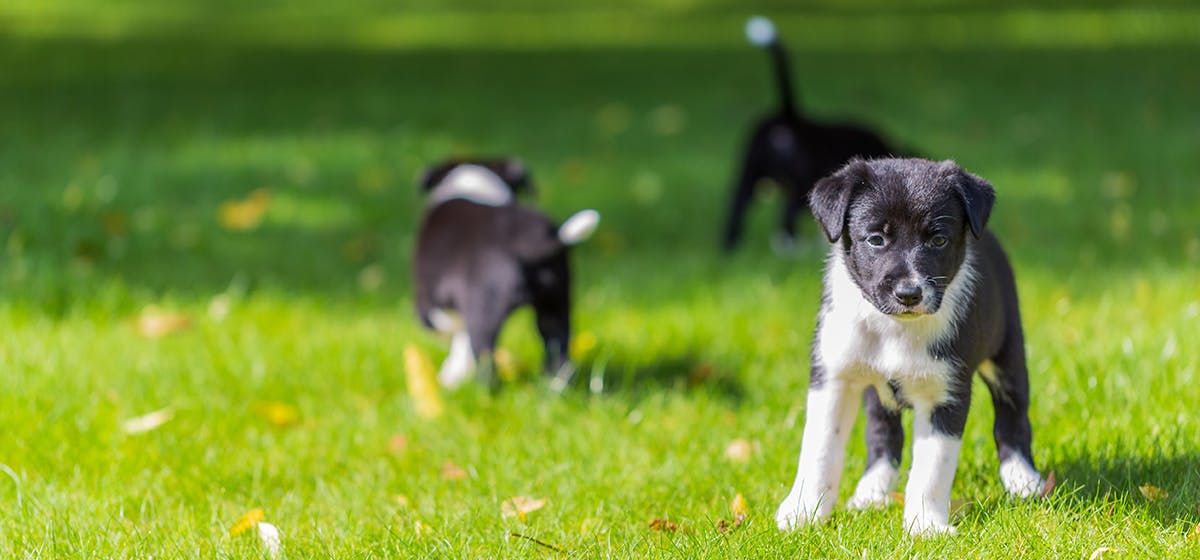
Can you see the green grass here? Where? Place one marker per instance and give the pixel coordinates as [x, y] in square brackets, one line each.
[115, 157]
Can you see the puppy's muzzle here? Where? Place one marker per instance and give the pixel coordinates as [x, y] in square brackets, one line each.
[908, 293]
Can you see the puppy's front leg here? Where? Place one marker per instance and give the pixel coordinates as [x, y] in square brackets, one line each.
[937, 439]
[832, 406]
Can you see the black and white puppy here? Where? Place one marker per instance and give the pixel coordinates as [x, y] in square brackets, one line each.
[918, 295]
[480, 255]
[791, 149]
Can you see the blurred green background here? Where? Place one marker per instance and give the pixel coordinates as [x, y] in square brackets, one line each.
[134, 136]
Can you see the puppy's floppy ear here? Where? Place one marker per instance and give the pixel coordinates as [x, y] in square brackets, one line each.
[830, 197]
[514, 172]
[434, 175]
[977, 196]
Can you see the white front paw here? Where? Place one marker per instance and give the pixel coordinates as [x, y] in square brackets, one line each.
[796, 512]
[927, 526]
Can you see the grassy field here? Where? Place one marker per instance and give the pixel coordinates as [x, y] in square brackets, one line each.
[286, 390]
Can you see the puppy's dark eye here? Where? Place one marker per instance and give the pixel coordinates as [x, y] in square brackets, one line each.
[939, 241]
[875, 240]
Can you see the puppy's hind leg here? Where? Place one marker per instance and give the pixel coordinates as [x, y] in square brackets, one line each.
[784, 242]
[753, 168]
[1008, 380]
[885, 443]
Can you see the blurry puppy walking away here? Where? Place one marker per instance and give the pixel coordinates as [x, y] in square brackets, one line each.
[481, 254]
[790, 149]
[918, 296]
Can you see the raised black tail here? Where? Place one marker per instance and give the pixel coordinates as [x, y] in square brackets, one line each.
[761, 32]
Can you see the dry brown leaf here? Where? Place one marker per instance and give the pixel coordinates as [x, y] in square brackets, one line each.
[1153, 493]
[423, 386]
[1195, 534]
[280, 415]
[740, 450]
[897, 497]
[247, 213]
[1049, 486]
[450, 471]
[664, 525]
[147, 422]
[1099, 552]
[156, 323]
[246, 522]
[521, 506]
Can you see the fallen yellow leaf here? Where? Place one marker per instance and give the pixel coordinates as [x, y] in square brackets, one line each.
[739, 508]
[246, 522]
[280, 415]
[582, 345]
[521, 506]
[147, 422]
[247, 213]
[1153, 493]
[423, 387]
[450, 471]
[156, 323]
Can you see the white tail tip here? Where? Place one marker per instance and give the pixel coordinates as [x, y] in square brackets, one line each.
[760, 31]
[578, 227]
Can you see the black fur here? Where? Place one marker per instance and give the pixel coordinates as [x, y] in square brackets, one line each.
[908, 203]
[485, 261]
[794, 152]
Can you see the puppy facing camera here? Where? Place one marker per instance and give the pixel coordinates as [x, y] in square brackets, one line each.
[480, 255]
[918, 296]
[790, 150]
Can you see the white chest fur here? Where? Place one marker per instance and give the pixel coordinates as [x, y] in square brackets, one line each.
[860, 344]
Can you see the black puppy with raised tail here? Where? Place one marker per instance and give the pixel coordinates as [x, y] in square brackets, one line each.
[480, 255]
[918, 296]
[790, 149]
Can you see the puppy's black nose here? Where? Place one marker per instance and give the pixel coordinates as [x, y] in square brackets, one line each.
[907, 293]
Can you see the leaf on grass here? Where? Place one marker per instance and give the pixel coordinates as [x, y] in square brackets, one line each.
[739, 508]
[423, 387]
[147, 422]
[1153, 493]
[280, 415]
[897, 497]
[246, 213]
[664, 525]
[582, 346]
[1195, 534]
[740, 450]
[450, 471]
[246, 522]
[1048, 487]
[521, 506]
[157, 323]
[1099, 552]
[740, 511]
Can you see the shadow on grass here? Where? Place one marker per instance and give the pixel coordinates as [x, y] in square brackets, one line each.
[1120, 480]
[685, 373]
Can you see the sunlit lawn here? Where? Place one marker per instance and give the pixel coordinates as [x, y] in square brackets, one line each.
[286, 386]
